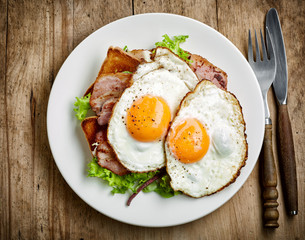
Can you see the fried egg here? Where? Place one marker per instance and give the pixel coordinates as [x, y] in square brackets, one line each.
[140, 119]
[206, 145]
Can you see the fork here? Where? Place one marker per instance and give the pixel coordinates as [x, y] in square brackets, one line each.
[264, 70]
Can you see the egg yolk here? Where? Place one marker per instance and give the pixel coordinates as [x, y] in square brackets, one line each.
[189, 141]
[148, 118]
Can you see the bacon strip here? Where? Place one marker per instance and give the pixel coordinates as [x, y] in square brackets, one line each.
[105, 155]
[107, 90]
[206, 70]
[106, 111]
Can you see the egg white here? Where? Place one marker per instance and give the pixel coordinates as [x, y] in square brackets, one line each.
[221, 115]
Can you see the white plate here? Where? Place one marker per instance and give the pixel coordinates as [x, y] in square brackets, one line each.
[68, 143]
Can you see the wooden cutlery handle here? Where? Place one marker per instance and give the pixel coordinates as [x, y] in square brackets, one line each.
[269, 181]
[287, 163]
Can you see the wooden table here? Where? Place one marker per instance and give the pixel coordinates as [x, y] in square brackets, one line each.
[35, 39]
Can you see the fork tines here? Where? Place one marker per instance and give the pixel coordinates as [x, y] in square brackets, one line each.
[264, 50]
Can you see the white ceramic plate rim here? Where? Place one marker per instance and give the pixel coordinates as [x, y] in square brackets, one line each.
[69, 147]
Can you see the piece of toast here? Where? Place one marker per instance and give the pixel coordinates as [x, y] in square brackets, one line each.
[90, 128]
[118, 60]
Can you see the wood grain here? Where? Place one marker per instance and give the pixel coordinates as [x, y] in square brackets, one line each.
[35, 39]
[4, 169]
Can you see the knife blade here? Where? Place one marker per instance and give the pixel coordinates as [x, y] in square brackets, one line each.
[287, 162]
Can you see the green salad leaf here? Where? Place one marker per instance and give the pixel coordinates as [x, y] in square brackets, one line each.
[174, 45]
[82, 106]
[131, 181]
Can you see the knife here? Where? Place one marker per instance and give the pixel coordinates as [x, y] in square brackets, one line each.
[287, 163]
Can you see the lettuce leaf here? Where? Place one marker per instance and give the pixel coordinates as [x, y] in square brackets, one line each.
[131, 181]
[174, 45]
[82, 106]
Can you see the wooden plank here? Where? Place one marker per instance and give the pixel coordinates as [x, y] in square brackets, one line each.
[4, 173]
[61, 34]
[20, 139]
[28, 86]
